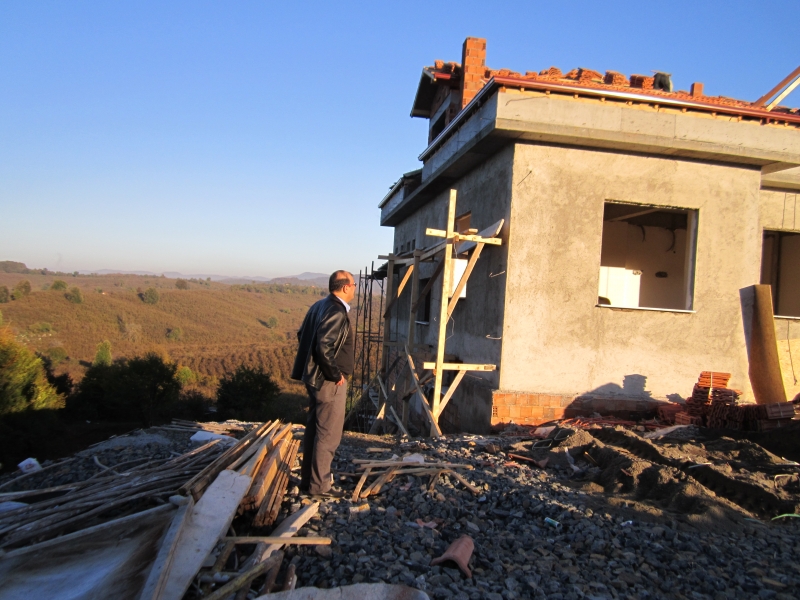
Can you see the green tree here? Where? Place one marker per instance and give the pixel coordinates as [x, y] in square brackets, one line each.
[149, 296]
[103, 355]
[247, 394]
[5, 296]
[1, 318]
[59, 285]
[74, 295]
[182, 284]
[23, 379]
[57, 354]
[142, 388]
[22, 289]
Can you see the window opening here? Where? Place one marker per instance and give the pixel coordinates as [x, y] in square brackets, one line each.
[780, 268]
[647, 258]
[424, 306]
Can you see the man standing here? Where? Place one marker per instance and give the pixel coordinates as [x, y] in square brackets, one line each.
[324, 359]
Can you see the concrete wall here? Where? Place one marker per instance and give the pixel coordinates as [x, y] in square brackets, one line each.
[556, 341]
[485, 192]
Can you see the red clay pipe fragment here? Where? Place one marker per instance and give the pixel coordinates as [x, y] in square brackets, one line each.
[459, 552]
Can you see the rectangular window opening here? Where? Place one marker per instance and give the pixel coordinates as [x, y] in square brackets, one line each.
[780, 268]
[648, 257]
[424, 306]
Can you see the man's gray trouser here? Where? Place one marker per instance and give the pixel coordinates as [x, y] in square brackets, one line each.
[323, 434]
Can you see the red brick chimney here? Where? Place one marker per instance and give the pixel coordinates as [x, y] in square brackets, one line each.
[473, 65]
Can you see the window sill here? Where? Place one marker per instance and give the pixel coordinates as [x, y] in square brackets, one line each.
[645, 308]
[788, 318]
[422, 322]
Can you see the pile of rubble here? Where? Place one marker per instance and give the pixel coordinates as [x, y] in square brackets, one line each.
[589, 508]
[598, 521]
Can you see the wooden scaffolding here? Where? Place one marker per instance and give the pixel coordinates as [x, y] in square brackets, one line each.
[398, 357]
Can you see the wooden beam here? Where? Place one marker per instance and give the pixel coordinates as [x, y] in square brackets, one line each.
[789, 89]
[490, 232]
[387, 320]
[428, 286]
[435, 431]
[465, 237]
[459, 366]
[292, 541]
[763, 100]
[399, 422]
[400, 288]
[412, 323]
[464, 276]
[447, 276]
[638, 213]
[450, 391]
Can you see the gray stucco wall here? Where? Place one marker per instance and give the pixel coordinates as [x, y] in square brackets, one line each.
[555, 339]
[485, 192]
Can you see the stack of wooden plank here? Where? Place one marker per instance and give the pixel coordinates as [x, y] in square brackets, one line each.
[385, 471]
[116, 493]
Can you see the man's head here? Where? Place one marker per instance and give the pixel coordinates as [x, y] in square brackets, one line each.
[343, 285]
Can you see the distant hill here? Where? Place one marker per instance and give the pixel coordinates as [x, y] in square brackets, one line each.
[210, 327]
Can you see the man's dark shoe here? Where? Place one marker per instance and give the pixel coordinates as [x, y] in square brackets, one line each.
[329, 495]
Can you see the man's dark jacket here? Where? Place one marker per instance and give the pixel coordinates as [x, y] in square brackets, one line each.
[320, 338]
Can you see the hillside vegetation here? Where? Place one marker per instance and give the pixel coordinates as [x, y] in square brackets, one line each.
[208, 327]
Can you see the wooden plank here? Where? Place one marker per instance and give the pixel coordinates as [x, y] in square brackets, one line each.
[387, 321]
[789, 89]
[400, 288]
[463, 281]
[428, 286]
[264, 477]
[459, 366]
[245, 578]
[289, 527]
[157, 577]
[435, 431]
[490, 232]
[293, 541]
[399, 422]
[357, 492]
[763, 100]
[447, 276]
[435, 232]
[208, 521]
[465, 237]
[255, 446]
[450, 391]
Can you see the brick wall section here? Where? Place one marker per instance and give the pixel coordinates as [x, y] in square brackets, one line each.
[473, 65]
[525, 408]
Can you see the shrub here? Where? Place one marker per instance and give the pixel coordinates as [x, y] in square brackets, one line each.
[175, 334]
[185, 376]
[149, 296]
[57, 354]
[1, 318]
[143, 389]
[23, 379]
[246, 394]
[74, 295]
[41, 328]
[22, 289]
[182, 284]
[103, 355]
[59, 285]
[5, 296]
[271, 323]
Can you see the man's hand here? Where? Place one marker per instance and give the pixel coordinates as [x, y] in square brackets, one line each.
[342, 381]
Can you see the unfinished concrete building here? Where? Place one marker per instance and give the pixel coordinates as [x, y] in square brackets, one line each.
[632, 217]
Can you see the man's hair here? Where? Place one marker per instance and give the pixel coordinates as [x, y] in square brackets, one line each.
[338, 280]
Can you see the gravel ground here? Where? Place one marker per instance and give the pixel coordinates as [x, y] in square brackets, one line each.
[610, 541]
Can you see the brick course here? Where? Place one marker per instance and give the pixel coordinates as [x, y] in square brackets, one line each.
[473, 64]
[526, 408]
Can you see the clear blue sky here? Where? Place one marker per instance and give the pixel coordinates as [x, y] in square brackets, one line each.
[256, 138]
